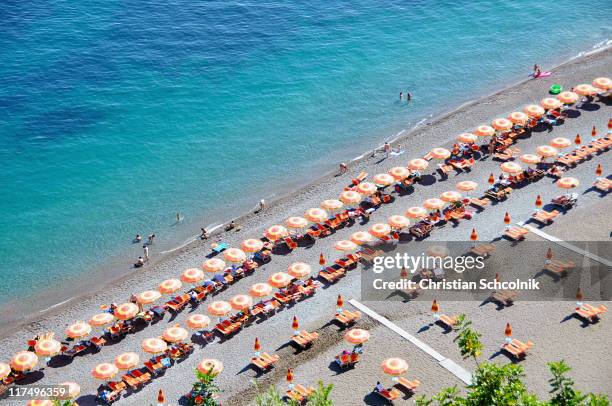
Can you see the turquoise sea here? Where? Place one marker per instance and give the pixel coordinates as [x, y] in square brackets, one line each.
[115, 115]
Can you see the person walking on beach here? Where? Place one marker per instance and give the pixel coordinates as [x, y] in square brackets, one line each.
[387, 148]
[343, 168]
[146, 252]
[262, 204]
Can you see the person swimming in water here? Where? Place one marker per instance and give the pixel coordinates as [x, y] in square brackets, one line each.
[536, 70]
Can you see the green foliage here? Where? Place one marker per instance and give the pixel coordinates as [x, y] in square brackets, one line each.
[467, 338]
[272, 397]
[320, 397]
[204, 391]
[564, 394]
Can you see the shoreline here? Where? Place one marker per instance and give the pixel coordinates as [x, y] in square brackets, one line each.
[95, 288]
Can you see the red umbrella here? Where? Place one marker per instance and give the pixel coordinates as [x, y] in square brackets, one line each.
[549, 253]
[295, 325]
[160, 397]
[491, 179]
[321, 260]
[599, 170]
[340, 301]
[508, 330]
[474, 235]
[594, 131]
[577, 140]
[538, 202]
[257, 345]
[507, 218]
[434, 306]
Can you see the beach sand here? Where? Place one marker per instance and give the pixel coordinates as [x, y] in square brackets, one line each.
[537, 321]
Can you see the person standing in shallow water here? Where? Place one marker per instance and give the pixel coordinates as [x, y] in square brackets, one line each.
[401, 95]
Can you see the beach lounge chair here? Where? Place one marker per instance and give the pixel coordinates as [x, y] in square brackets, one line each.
[589, 312]
[265, 361]
[445, 169]
[131, 381]
[410, 386]
[447, 321]
[480, 203]
[517, 348]
[482, 250]
[603, 185]
[503, 297]
[360, 178]
[516, 233]
[346, 317]
[500, 194]
[140, 376]
[565, 201]
[305, 339]
[544, 217]
[389, 394]
[559, 267]
[290, 243]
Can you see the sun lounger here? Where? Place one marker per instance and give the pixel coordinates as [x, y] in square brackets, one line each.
[500, 194]
[421, 229]
[265, 361]
[517, 348]
[368, 254]
[516, 233]
[480, 203]
[503, 297]
[448, 321]
[564, 201]
[589, 312]
[220, 247]
[445, 169]
[603, 185]
[347, 317]
[305, 339]
[482, 250]
[389, 394]
[559, 267]
[360, 178]
[131, 381]
[545, 217]
[411, 386]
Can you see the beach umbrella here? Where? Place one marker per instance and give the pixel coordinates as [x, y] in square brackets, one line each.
[440, 153]
[507, 218]
[101, 319]
[549, 253]
[126, 311]
[253, 244]
[598, 170]
[257, 346]
[594, 132]
[170, 286]
[296, 222]
[579, 294]
[584, 90]
[578, 140]
[127, 360]
[192, 275]
[568, 97]
[538, 201]
[502, 124]
[361, 237]
[356, 336]
[530, 159]
[47, 347]
[241, 302]
[345, 246]
[197, 321]
[484, 131]
[603, 83]
[416, 212]
[418, 164]
[518, 117]
[383, 179]
[438, 251]
[399, 172]
[161, 398]
[366, 188]
[175, 334]
[289, 376]
[380, 230]
[299, 270]
[78, 330]
[467, 138]
[321, 259]
[435, 308]
[549, 103]
[394, 366]
[316, 215]
[433, 204]
[260, 290]
[275, 232]
[510, 167]
[467, 186]
[568, 183]
[74, 390]
[533, 110]
[280, 279]
[450, 196]
[398, 221]
[295, 325]
[5, 370]
[210, 366]
[474, 235]
[609, 124]
[332, 205]
[560, 142]
[339, 303]
[350, 197]
[235, 255]
[39, 402]
[491, 179]
[153, 345]
[104, 371]
[219, 308]
[508, 330]
[148, 296]
[211, 265]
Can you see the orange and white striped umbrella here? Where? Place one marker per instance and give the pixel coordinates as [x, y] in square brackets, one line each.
[533, 110]
[213, 265]
[568, 183]
[530, 159]
[568, 97]
[219, 308]
[510, 167]
[398, 221]
[518, 117]
[251, 245]
[467, 138]
[299, 270]
[197, 321]
[366, 188]
[418, 164]
[153, 345]
[149, 296]
[437, 251]
[101, 319]
[433, 203]
[47, 347]
[5, 370]
[383, 179]
[74, 390]
[169, 286]
[585, 90]
[416, 212]
[316, 215]
[399, 172]
[234, 255]
[380, 230]
[345, 246]
[357, 336]
[361, 237]
[467, 186]
[394, 366]
[241, 302]
[175, 334]
[560, 142]
[192, 275]
[260, 290]
[332, 204]
[546, 151]
[603, 83]
[484, 131]
[127, 360]
[549, 103]
[350, 197]
[275, 232]
[280, 279]
[440, 153]
[296, 222]
[24, 361]
[104, 371]
[502, 124]
[126, 311]
[39, 402]
[210, 366]
[78, 330]
[450, 196]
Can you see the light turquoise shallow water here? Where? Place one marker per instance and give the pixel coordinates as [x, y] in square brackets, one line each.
[116, 115]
